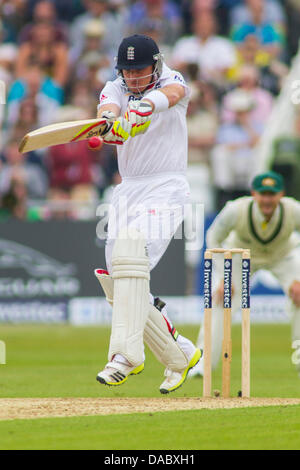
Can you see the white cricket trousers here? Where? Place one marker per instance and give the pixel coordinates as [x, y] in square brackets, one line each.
[154, 205]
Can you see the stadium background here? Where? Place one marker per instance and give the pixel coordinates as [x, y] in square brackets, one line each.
[239, 58]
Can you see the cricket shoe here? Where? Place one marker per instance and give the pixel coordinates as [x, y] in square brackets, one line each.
[196, 371]
[174, 380]
[116, 373]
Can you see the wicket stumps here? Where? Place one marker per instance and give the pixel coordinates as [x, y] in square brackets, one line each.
[227, 344]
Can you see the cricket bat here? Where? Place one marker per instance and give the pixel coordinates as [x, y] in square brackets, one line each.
[63, 133]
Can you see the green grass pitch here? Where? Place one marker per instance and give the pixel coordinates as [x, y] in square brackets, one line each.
[63, 361]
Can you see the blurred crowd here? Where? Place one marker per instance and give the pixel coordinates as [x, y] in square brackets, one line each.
[55, 57]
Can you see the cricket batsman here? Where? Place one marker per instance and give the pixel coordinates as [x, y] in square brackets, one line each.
[268, 223]
[146, 106]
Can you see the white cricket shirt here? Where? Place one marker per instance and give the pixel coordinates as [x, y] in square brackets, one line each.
[164, 146]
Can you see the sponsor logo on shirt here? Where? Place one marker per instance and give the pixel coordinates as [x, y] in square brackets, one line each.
[178, 78]
[134, 98]
[103, 97]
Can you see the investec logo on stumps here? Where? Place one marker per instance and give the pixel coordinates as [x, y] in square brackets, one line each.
[246, 283]
[227, 283]
[207, 283]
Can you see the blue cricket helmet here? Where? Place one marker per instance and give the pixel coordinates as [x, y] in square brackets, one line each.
[137, 52]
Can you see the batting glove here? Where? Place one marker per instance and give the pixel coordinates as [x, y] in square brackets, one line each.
[109, 115]
[119, 132]
[139, 115]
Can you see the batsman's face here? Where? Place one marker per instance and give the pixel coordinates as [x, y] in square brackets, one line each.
[267, 201]
[137, 80]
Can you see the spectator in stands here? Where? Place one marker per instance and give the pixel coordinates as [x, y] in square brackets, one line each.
[8, 54]
[66, 10]
[268, 34]
[213, 54]
[263, 100]
[202, 123]
[249, 52]
[99, 10]
[93, 33]
[119, 10]
[271, 11]
[44, 50]
[271, 70]
[96, 71]
[221, 8]
[45, 12]
[200, 6]
[14, 203]
[47, 95]
[16, 166]
[94, 64]
[154, 29]
[166, 11]
[233, 156]
[12, 14]
[82, 98]
[27, 120]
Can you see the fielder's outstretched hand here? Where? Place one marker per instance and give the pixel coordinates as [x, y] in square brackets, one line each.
[139, 115]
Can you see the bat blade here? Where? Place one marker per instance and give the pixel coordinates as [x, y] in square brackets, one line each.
[63, 133]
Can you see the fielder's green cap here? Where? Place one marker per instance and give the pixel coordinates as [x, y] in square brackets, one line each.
[269, 181]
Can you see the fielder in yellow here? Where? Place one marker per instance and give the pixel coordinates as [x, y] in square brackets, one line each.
[269, 224]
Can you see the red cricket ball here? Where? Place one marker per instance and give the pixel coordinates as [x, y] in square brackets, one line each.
[95, 143]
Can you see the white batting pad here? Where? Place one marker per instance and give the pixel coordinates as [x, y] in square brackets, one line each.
[131, 276]
[106, 283]
[156, 333]
[159, 339]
